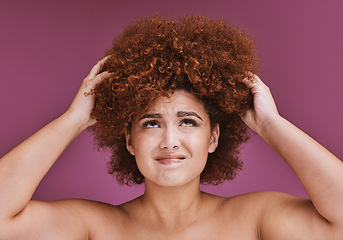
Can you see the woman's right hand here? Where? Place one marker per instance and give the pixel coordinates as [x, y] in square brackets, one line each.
[83, 103]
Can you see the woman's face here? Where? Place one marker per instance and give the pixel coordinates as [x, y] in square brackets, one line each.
[172, 139]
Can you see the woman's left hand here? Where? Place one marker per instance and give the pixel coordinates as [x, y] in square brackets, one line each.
[264, 110]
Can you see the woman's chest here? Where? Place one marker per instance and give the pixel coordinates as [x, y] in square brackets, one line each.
[211, 229]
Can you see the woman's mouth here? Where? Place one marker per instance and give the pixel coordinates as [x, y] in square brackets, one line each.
[169, 159]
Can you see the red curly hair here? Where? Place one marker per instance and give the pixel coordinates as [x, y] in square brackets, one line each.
[155, 56]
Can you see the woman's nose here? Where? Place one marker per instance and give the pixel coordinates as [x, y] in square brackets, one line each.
[169, 140]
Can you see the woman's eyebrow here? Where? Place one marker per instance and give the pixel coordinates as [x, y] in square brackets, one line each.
[187, 114]
[179, 114]
[150, 115]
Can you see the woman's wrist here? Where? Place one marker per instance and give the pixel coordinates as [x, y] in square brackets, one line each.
[269, 125]
[76, 121]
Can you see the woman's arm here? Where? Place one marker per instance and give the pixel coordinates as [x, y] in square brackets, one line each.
[320, 172]
[22, 169]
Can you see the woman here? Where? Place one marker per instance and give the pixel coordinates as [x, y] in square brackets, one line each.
[180, 107]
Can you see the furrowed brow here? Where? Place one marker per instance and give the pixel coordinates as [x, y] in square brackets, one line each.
[187, 114]
[150, 115]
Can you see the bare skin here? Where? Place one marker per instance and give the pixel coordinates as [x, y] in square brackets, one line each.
[172, 206]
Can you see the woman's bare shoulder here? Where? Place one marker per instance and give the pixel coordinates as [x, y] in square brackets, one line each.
[63, 219]
[263, 197]
[267, 211]
[96, 210]
[95, 217]
[253, 206]
[258, 202]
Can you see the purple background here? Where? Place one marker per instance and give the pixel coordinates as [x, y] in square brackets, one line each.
[48, 47]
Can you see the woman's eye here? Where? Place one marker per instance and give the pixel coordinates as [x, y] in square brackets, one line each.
[188, 123]
[150, 124]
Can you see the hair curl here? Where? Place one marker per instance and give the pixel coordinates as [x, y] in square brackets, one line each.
[155, 56]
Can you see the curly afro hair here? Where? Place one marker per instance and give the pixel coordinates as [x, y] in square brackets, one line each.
[155, 56]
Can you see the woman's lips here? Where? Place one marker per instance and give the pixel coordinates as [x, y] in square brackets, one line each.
[169, 159]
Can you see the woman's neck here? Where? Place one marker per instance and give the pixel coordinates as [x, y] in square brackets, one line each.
[173, 206]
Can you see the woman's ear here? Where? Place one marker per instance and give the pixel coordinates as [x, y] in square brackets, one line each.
[129, 146]
[214, 139]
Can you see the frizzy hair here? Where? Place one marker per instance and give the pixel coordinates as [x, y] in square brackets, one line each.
[155, 56]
